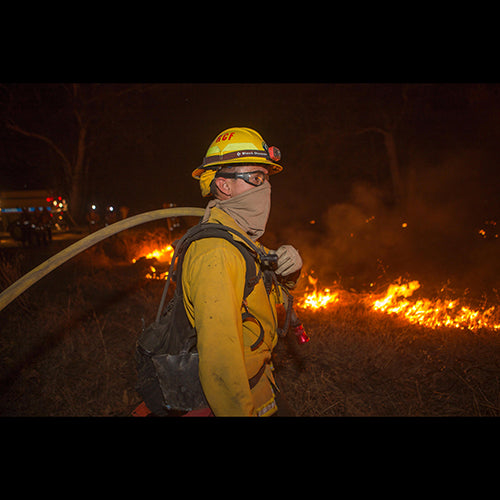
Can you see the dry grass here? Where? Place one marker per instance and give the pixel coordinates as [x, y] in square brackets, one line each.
[360, 363]
[72, 353]
[66, 349]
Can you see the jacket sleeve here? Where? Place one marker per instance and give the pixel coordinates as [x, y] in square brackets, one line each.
[213, 281]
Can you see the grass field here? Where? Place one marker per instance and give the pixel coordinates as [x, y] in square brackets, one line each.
[67, 349]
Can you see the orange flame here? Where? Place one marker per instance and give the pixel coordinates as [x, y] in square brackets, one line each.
[161, 255]
[155, 275]
[396, 300]
[317, 300]
[432, 313]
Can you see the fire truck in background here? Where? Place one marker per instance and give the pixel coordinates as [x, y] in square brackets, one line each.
[30, 216]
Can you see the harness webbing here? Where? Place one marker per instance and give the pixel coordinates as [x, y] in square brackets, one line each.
[249, 251]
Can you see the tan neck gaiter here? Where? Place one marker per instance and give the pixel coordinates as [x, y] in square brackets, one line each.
[250, 210]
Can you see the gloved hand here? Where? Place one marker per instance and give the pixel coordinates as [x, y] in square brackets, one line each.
[289, 260]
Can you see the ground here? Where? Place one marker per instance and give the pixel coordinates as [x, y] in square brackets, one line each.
[67, 349]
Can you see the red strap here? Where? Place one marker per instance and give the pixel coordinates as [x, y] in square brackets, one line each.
[141, 411]
[202, 412]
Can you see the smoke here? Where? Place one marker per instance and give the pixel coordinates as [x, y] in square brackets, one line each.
[434, 237]
[354, 238]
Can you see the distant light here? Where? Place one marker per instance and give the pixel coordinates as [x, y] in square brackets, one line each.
[93, 207]
[404, 224]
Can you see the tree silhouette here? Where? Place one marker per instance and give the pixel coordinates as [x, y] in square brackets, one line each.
[65, 117]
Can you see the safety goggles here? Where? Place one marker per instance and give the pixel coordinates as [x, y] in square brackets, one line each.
[256, 178]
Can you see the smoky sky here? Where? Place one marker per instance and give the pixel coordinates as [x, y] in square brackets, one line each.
[359, 238]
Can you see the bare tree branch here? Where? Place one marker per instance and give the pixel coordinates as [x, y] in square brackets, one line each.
[66, 163]
[370, 129]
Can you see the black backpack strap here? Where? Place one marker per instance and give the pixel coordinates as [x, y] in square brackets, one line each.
[249, 251]
[210, 230]
[247, 316]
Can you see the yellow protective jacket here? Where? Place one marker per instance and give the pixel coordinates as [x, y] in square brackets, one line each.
[213, 279]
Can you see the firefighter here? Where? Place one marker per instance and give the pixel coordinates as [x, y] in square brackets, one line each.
[93, 219]
[27, 228]
[235, 171]
[173, 223]
[110, 217]
[45, 220]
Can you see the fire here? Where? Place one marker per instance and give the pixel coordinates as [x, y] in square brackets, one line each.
[432, 313]
[155, 275]
[395, 291]
[317, 299]
[161, 255]
[397, 301]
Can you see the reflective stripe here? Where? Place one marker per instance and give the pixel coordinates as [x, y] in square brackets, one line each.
[219, 148]
[266, 408]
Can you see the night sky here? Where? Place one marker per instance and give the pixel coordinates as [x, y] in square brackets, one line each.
[144, 144]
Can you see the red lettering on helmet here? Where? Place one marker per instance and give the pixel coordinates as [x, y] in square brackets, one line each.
[224, 137]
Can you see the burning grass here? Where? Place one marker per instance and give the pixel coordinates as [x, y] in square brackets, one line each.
[386, 354]
[359, 363]
[396, 300]
[365, 358]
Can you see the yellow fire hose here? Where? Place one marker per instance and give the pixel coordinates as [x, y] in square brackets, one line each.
[36, 274]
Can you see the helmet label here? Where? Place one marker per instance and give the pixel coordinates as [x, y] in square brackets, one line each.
[224, 137]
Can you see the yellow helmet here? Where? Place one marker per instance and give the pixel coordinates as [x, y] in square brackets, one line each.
[240, 145]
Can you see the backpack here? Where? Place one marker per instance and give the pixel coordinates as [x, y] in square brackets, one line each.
[166, 354]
